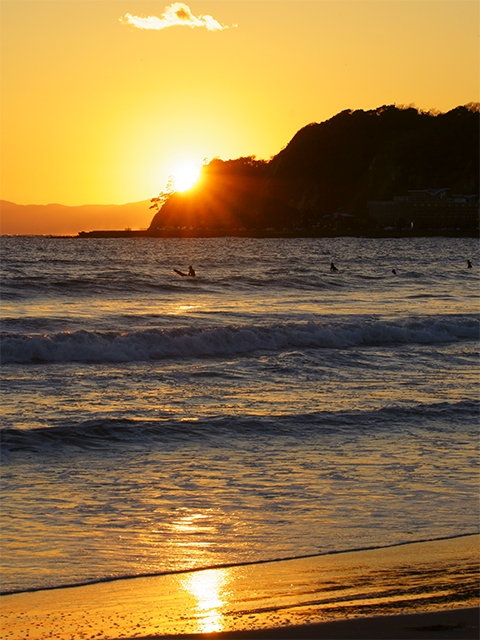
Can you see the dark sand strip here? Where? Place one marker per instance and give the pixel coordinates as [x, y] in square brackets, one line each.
[459, 624]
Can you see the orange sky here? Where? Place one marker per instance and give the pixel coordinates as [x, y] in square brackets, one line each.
[97, 109]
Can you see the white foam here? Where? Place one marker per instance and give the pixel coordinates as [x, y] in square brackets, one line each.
[155, 344]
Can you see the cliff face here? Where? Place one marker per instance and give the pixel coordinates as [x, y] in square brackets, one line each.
[337, 165]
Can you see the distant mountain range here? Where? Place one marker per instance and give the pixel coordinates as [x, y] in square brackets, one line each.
[58, 219]
[327, 173]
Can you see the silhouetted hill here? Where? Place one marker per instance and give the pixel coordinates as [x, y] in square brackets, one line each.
[320, 183]
[376, 155]
[335, 166]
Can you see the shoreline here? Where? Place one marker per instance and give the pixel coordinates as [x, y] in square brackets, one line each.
[232, 565]
[280, 599]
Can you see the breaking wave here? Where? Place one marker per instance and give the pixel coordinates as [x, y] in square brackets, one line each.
[158, 344]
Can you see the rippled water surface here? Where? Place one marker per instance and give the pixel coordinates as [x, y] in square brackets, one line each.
[267, 408]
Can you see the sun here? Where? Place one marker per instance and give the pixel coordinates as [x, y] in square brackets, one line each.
[185, 175]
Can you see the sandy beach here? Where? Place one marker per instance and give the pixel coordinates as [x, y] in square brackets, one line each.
[417, 590]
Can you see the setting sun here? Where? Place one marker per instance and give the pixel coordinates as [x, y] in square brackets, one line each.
[185, 175]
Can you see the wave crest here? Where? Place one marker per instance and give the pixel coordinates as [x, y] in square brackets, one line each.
[158, 344]
[99, 433]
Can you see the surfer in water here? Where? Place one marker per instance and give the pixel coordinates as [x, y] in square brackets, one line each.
[333, 267]
[469, 264]
[190, 272]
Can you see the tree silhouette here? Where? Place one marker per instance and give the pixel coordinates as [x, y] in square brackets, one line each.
[163, 196]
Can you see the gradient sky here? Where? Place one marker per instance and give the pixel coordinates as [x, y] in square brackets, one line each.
[96, 108]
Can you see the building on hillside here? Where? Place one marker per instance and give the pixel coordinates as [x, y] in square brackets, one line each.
[431, 209]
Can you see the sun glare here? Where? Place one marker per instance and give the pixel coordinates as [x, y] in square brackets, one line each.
[185, 175]
[208, 587]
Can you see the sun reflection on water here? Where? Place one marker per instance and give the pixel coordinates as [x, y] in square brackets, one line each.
[183, 308]
[208, 589]
[205, 589]
[189, 523]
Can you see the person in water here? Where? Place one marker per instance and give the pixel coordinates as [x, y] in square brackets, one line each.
[191, 271]
[469, 264]
[333, 267]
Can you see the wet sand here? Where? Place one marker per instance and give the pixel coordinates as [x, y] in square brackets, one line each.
[459, 623]
[347, 595]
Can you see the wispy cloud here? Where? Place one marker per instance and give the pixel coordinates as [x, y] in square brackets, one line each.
[175, 15]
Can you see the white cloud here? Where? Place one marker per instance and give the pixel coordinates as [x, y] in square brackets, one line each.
[177, 14]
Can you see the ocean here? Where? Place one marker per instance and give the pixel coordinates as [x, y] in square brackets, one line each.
[266, 409]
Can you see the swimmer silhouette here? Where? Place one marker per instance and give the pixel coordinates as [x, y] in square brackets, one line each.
[469, 264]
[394, 272]
[333, 267]
[191, 272]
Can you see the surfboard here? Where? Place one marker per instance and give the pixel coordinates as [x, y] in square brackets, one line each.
[180, 273]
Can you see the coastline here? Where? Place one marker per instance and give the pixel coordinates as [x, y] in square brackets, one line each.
[265, 233]
[260, 234]
[351, 592]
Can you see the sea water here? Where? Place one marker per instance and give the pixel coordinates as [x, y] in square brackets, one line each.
[267, 408]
